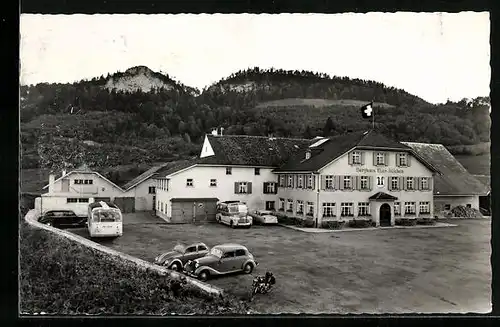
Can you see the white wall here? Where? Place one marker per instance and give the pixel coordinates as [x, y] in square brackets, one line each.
[224, 190]
[143, 200]
[99, 188]
[453, 201]
[45, 203]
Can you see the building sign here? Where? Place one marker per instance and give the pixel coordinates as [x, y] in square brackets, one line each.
[380, 170]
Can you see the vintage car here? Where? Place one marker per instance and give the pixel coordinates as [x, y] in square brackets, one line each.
[264, 217]
[62, 218]
[180, 255]
[234, 214]
[222, 259]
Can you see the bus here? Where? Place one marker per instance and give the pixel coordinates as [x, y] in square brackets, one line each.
[104, 220]
[233, 213]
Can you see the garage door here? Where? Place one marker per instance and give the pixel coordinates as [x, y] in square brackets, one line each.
[193, 210]
[126, 204]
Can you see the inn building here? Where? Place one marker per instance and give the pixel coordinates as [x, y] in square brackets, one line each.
[354, 176]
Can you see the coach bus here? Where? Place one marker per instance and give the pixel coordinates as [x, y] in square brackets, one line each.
[104, 220]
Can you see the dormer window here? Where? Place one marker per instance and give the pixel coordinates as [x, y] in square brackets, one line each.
[402, 160]
[308, 155]
[356, 157]
[380, 159]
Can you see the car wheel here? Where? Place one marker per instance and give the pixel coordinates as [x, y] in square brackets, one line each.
[248, 268]
[175, 266]
[204, 275]
[231, 224]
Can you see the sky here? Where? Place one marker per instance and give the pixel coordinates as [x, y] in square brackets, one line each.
[436, 56]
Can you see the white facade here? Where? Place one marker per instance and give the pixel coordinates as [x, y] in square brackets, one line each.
[202, 181]
[144, 194]
[341, 167]
[444, 203]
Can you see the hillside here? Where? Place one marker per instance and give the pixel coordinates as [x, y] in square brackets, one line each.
[140, 116]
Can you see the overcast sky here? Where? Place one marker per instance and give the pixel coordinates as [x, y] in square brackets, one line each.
[434, 56]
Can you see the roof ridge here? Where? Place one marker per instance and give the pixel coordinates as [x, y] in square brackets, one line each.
[261, 136]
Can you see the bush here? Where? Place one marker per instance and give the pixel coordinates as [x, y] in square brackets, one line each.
[59, 276]
[333, 224]
[406, 222]
[308, 222]
[426, 221]
[361, 223]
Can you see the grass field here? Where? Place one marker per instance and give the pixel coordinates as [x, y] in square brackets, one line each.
[398, 270]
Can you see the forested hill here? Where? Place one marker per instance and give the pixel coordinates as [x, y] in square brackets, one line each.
[140, 116]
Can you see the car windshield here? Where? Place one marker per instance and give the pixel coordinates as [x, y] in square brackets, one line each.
[265, 212]
[179, 248]
[216, 252]
[238, 208]
[105, 216]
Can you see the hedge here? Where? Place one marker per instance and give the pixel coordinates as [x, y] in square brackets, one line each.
[59, 276]
[333, 224]
[406, 221]
[296, 221]
[361, 223]
[426, 221]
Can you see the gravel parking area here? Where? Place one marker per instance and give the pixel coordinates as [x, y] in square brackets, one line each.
[381, 271]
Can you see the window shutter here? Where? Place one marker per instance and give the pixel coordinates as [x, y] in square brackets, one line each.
[275, 188]
[350, 158]
[398, 155]
[408, 160]
[341, 184]
[418, 180]
[249, 187]
[362, 158]
[401, 185]
[236, 189]
[335, 180]
[405, 185]
[431, 183]
[303, 181]
[389, 182]
[265, 188]
[323, 182]
[359, 182]
[314, 182]
[370, 183]
[374, 158]
[386, 159]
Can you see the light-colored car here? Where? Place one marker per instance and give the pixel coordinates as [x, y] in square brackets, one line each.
[222, 259]
[265, 217]
[234, 214]
[180, 254]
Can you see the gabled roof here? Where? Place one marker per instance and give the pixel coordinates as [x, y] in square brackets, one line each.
[382, 196]
[145, 175]
[485, 179]
[454, 178]
[253, 150]
[175, 166]
[86, 170]
[336, 146]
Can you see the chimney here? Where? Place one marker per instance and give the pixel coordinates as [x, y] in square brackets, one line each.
[221, 129]
[52, 179]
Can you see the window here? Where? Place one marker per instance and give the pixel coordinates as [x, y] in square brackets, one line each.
[424, 183]
[290, 181]
[394, 183]
[240, 253]
[84, 181]
[363, 209]
[346, 209]
[447, 206]
[257, 171]
[329, 182]
[469, 205]
[402, 160]
[380, 181]
[158, 205]
[290, 205]
[397, 209]
[242, 187]
[229, 171]
[83, 200]
[424, 207]
[161, 206]
[152, 190]
[409, 183]
[282, 181]
[202, 248]
[189, 182]
[409, 208]
[329, 209]
[71, 200]
[308, 155]
[213, 182]
[347, 182]
[300, 182]
[191, 249]
[310, 208]
[380, 159]
[356, 157]
[300, 207]
[229, 254]
[309, 181]
[364, 182]
[270, 188]
[282, 204]
[270, 205]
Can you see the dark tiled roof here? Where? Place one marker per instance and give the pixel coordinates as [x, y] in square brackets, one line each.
[324, 153]
[454, 178]
[148, 173]
[485, 179]
[382, 196]
[253, 150]
[172, 167]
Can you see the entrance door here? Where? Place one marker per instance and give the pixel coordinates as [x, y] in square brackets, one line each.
[385, 215]
[65, 185]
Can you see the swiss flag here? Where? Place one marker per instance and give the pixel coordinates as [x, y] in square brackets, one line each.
[367, 110]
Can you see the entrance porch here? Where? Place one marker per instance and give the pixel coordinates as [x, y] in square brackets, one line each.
[382, 208]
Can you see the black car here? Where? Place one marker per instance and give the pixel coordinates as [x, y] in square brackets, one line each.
[62, 218]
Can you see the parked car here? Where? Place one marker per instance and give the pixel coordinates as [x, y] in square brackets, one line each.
[222, 259]
[264, 217]
[62, 218]
[180, 255]
[234, 214]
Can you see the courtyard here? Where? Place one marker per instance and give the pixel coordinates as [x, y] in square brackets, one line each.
[420, 270]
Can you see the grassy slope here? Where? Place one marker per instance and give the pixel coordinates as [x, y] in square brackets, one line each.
[317, 103]
[58, 276]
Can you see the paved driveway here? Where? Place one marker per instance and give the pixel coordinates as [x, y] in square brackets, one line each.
[383, 271]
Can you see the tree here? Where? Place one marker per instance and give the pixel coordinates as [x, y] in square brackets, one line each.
[308, 133]
[328, 127]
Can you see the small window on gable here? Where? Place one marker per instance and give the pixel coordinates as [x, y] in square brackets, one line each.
[308, 155]
[189, 182]
[229, 171]
[257, 171]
